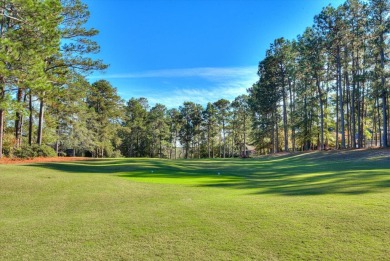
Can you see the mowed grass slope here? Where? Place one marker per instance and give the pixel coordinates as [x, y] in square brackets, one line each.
[315, 206]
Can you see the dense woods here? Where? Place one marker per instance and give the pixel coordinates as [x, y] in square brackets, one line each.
[326, 89]
[329, 87]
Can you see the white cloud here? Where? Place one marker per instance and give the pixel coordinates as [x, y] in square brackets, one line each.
[226, 89]
[210, 73]
[199, 85]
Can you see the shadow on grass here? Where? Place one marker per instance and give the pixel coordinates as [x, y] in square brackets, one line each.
[296, 175]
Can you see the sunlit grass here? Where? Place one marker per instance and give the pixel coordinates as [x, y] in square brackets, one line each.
[303, 207]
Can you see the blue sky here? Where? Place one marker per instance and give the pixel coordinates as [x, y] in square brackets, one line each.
[191, 50]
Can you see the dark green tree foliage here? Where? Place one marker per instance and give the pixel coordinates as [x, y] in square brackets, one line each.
[158, 130]
[332, 25]
[71, 117]
[39, 37]
[210, 127]
[312, 64]
[174, 124]
[134, 135]
[380, 24]
[279, 50]
[241, 112]
[328, 88]
[356, 15]
[263, 101]
[29, 34]
[37, 69]
[78, 40]
[223, 114]
[107, 113]
[308, 89]
[333, 80]
[190, 116]
[77, 45]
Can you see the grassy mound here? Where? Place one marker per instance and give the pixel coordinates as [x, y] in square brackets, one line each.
[320, 205]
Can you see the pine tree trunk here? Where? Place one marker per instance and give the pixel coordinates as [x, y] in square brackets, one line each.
[234, 147]
[353, 116]
[244, 135]
[285, 125]
[374, 124]
[186, 150]
[212, 148]
[30, 122]
[360, 115]
[160, 152]
[40, 122]
[57, 147]
[306, 126]
[176, 146]
[208, 140]
[198, 148]
[384, 113]
[347, 105]
[341, 101]
[18, 120]
[137, 143]
[355, 103]
[291, 116]
[379, 122]
[384, 93]
[276, 134]
[223, 132]
[273, 135]
[337, 120]
[321, 147]
[363, 118]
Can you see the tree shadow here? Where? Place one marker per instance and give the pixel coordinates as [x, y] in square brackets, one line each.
[293, 175]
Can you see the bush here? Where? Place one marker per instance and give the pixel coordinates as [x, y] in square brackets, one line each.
[44, 151]
[8, 144]
[25, 152]
[28, 152]
[116, 154]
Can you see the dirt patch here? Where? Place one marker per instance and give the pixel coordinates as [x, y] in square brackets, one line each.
[40, 160]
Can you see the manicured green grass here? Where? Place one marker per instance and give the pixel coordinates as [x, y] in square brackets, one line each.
[317, 206]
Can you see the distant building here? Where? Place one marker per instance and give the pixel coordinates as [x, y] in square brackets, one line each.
[70, 153]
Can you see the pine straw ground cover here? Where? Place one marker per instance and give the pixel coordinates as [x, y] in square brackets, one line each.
[40, 160]
[312, 206]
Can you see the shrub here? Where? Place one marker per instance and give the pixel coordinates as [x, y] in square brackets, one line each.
[116, 154]
[27, 152]
[44, 151]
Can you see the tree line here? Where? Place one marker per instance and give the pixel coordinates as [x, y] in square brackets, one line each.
[326, 89]
[191, 131]
[44, 53]
[329, 87]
